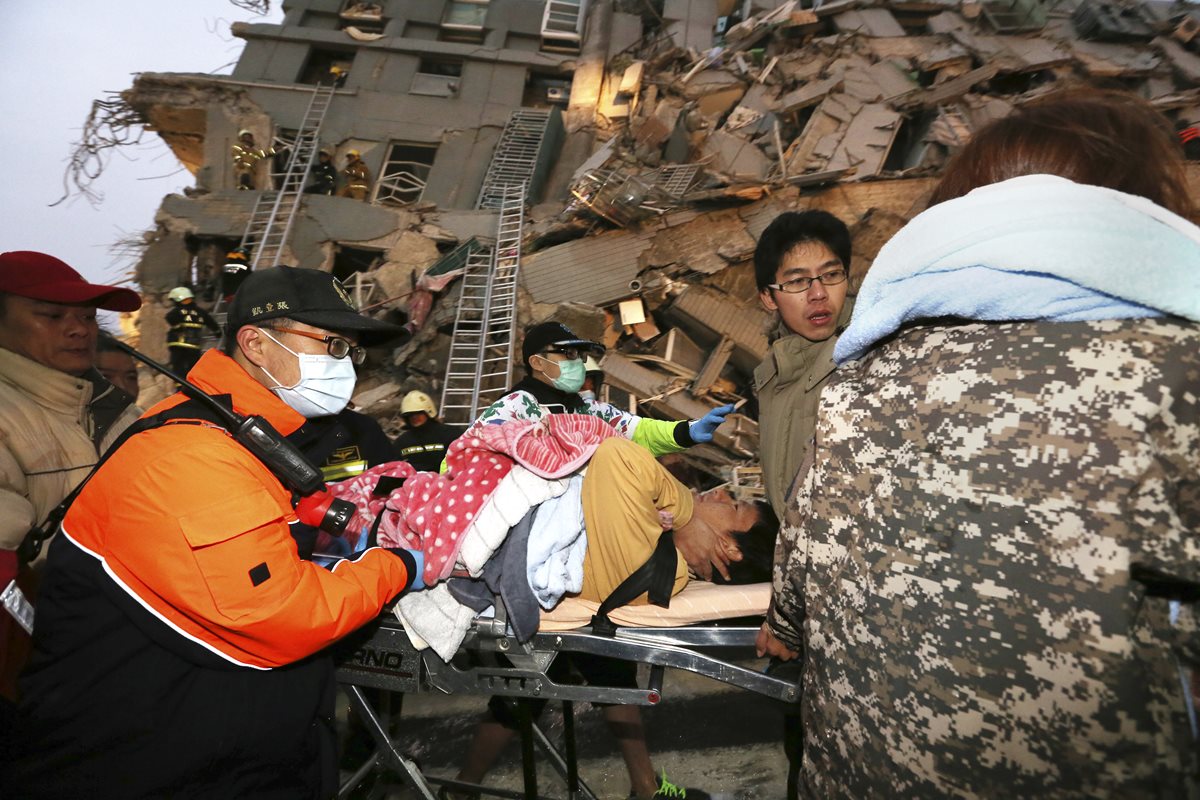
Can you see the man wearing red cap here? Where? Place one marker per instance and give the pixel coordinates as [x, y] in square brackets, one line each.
[56, 411]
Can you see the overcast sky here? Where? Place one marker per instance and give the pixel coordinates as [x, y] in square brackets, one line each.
[58, 56]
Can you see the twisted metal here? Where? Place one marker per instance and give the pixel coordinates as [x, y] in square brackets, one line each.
[111, 123]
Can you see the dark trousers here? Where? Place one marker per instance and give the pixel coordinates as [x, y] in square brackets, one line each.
[183, 359]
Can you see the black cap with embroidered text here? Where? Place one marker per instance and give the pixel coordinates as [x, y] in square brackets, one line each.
[547, 334]
[311, 296]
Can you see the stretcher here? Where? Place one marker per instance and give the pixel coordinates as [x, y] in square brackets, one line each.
[491, 662]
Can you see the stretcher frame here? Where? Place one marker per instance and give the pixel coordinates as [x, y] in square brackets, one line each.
[492, 662]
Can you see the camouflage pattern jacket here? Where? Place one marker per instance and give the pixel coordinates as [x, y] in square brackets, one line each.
[994, 563]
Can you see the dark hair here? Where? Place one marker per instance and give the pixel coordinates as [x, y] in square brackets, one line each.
[1091, 136]
[105, 345]
[3, 304]
[758, 549]
[792, 228]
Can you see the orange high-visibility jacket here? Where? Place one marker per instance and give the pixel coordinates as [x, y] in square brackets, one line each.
[196, 530]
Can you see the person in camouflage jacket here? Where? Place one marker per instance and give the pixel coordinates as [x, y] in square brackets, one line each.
[991, 567]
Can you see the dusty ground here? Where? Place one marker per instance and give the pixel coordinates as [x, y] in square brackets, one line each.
[705, 734]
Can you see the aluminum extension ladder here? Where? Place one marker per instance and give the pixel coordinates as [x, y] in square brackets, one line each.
[479, 369]
[516, 156]
[274, 212]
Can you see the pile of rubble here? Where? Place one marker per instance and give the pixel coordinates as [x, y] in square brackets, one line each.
[850, 106]
[714, 117]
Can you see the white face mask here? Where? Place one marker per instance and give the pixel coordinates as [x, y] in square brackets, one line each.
[588, 394]
[325, 386]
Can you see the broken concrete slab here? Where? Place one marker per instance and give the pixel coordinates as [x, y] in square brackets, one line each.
[809, 94]
[1184, 64]
[955, 87]
[596, 270]
[707, 315]
[411, 254]
[867, 141]
[690, 23]
[929, 53]
[877, 22]
[734, 156]
[707, 244]
[881, 81]
[1106, 60]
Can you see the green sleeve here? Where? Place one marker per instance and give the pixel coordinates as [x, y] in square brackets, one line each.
[657, 436]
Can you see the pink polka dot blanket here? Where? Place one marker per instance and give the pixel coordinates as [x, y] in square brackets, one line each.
[496, 473]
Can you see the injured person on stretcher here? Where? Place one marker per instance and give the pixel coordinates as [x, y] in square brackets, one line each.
[533, 512]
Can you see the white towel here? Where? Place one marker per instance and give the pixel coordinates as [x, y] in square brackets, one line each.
[557, 545]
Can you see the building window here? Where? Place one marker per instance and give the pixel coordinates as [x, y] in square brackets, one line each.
[325, 66]
[562, 25]
[366, 17]
[464, 20]
[543, 90]
[437, 77]
[405, 173]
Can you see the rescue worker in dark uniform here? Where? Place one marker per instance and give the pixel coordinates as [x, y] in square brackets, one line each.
[186, 322]
[424, 442]
[324, 175]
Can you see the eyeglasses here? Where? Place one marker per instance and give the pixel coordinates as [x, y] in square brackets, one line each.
[335, 345]
[800, 285]
[569, 353]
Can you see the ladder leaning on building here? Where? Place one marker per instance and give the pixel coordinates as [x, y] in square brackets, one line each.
[480, 366]
[274, 212]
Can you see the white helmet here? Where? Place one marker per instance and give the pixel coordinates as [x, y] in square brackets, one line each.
[244, 132]
[415, 402]
[179, 294]
[590, 364]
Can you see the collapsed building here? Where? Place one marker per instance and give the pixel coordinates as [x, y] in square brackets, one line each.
[607, 163]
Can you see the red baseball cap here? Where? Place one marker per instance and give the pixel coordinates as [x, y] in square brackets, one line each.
[38, 276]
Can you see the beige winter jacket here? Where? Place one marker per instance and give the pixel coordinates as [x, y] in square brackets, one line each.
[50, 424]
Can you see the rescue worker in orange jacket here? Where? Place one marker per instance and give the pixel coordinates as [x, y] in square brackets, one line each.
[180, 645]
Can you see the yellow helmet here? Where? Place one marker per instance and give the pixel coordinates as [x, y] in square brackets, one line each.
[354, 153]
[179, 294]
[337, 70]
[418, 402]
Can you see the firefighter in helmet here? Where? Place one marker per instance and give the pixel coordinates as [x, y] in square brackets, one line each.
[424, 442]
[358, 177]
[186, 322]
[246, 156]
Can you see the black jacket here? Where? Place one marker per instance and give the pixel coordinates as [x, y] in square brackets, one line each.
[425, 447]
[145, 675]
[186, 324]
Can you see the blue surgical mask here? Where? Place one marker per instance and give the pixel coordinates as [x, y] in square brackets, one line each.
[325, 386]
[588, 395]
[571, 375]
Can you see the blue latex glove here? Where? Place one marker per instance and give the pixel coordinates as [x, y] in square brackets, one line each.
[702, 430]
[419, 578]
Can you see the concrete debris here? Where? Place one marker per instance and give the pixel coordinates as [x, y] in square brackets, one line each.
[686, 133]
